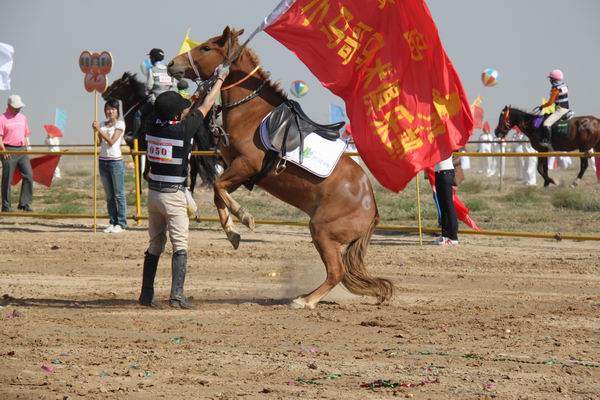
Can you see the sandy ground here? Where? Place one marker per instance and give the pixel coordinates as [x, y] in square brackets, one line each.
[491, 318]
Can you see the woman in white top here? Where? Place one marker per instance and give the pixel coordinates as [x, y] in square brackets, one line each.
[112, 169]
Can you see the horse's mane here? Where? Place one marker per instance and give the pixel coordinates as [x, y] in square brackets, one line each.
[138, 86]
[275, 86]
[521, 110]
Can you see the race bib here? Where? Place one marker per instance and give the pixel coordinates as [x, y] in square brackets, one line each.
[164, 79]
[160, 152]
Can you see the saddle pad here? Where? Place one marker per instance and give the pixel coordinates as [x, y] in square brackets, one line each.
[561, 129]
[320, 155]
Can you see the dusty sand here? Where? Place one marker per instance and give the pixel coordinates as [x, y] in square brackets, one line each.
[491, 318]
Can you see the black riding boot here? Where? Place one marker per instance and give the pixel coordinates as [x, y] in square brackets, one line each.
[179, 267]
[547, 138]
[150, 266]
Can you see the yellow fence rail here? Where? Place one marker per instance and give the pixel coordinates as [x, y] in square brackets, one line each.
[394, 228]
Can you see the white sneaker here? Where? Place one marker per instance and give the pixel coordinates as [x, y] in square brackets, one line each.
[449, 242]
[109, 229]
[117, 229]
[439, 241]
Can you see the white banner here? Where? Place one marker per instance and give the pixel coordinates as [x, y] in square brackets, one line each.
[6, 63]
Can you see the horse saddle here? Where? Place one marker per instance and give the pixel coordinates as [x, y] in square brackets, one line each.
[288, 126]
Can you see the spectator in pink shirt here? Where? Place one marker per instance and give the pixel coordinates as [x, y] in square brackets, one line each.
[14, 135]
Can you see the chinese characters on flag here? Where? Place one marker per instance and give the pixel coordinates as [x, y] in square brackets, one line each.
[384, 58]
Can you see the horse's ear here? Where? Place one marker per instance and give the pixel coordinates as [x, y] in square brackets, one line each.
[225, 36]
[239, 33]
[125, 75]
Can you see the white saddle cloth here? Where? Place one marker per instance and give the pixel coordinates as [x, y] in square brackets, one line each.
[320, 155]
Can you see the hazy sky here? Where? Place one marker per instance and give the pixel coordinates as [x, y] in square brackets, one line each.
[522, 39]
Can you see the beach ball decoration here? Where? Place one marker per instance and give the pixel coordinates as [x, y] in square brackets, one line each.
[490, 77]
[298, 88]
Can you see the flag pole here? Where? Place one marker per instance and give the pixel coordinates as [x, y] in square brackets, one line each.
[95, 156]
[419, 211]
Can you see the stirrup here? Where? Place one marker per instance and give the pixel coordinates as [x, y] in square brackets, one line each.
[280, 166]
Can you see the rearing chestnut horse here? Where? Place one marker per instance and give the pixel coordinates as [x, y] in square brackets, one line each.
[341, 207]
[584, 135]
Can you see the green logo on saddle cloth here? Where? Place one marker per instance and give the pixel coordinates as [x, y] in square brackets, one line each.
[307, 152]
[561, 128]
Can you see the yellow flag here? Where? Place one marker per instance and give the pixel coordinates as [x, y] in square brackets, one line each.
[549, 109]
[187, 44]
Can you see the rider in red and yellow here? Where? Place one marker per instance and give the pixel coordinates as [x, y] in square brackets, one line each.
[559, 96]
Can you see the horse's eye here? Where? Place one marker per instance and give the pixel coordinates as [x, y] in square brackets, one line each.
[205, 48]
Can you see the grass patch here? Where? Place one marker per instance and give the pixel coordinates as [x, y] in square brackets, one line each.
[521, 195]
[473, 186]
[575, 200]
[476, 205]
[65, 209]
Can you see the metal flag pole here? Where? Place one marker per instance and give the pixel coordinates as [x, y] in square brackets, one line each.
[419, 211]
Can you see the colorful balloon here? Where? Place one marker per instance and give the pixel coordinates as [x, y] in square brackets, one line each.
[298, 88]
[490, 77]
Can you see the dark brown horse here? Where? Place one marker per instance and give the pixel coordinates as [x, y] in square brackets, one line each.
[341, 207]
[132, 94]
[584, 136]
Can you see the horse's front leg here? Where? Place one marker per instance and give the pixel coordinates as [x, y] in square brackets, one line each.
[238, 172]
[542, 168]
[583, 165]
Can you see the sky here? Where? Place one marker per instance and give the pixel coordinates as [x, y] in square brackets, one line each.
[522, 39]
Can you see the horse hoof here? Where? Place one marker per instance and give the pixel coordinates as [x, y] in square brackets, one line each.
[234, 239]
[575, 183]
[247, 219]
[298, 304]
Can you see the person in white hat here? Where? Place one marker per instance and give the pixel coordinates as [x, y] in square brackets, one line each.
[14, 135]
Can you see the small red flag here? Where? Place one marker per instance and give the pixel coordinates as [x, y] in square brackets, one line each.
[53, 130]
[477, 117]
[404, 98]
[486, 127]
[43, 170]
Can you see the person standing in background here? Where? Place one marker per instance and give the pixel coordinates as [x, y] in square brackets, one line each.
[526, 166]
[14, 135]
[111, 167]
[444, 178]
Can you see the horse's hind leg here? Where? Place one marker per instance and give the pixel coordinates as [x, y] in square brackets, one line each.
[583, 165]
[331, 254]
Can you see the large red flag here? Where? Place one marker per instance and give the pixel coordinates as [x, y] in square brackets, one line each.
[43, 170]
[404, 99]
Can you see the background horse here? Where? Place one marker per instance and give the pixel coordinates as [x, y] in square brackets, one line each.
[584, 135]
[341, 207]
[132, 94]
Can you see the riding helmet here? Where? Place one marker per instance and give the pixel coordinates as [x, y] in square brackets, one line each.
[156, 55]
[168, 105]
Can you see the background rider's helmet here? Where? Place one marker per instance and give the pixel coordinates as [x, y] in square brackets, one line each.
[182, 84]
[556, 74]
[156, 55]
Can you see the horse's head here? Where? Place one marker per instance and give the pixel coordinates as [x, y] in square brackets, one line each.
[201, 61]
[504, 122]
[126, 88]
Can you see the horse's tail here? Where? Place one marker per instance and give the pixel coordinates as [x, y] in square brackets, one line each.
[357, 279]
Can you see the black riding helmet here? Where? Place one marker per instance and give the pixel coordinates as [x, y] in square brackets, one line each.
[156, 55]
[169, 105]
